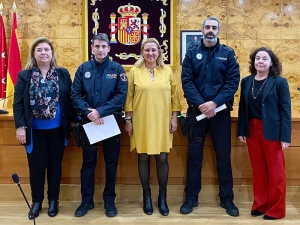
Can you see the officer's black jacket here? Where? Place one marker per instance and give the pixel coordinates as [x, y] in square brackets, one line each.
[210, 74]
[101, 86]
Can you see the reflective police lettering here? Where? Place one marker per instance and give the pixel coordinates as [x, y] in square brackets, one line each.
[221, 58]
[111, 76]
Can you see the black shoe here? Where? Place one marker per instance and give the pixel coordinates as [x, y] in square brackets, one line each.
[162, 206]
[36, 207]
[231, 209]
[53, 208]
[256, 213]
[83, 209]
[110, 209]
[147, 202]
[188, 206]
[147, 205]
[269, 218]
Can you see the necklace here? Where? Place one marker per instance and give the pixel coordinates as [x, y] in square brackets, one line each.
[151, 73]
[259, 88]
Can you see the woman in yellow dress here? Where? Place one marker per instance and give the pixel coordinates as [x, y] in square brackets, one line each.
[151, 111]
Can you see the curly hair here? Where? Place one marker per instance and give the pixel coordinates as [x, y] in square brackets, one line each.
[159, 60]
[275, 69]
[32, 61]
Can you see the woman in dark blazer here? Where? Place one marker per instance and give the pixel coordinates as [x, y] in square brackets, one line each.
[42, 113]
[264, 123]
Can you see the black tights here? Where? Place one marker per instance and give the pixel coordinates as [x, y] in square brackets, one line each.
[162, 171]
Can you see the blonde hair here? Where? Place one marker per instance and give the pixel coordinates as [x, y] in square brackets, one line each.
[159, 60]
[32, 61]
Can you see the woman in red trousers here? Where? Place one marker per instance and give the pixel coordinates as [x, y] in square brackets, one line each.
[264, 123]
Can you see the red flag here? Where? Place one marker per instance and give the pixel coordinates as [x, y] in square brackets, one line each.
[14, 62]
[3, 59]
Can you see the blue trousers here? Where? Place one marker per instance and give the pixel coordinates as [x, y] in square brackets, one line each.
[111, 152]
[220, 130]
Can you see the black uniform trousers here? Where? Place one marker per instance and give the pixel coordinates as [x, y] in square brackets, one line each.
[47, 154]
[220, 130]
[111, 152]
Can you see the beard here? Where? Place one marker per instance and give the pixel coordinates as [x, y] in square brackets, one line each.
[210, 39]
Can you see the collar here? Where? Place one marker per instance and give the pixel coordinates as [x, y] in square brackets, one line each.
[211, 47]
[103, 63]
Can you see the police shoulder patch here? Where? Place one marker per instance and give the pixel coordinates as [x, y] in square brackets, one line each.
[123, 76]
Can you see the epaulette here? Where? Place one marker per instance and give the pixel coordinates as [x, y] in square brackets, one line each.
[225, 46]
[231, 49]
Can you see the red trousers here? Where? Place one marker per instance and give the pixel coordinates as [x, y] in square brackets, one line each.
[268, 166]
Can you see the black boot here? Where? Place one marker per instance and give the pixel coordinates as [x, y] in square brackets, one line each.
[53, 208]
[147, 202]
[162, 203]
[36, 207]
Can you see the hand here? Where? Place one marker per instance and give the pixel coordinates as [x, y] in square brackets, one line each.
[208, 109]
[99, 121]
[73, 124]
[93, 115]
[243, 139]
[284, 145]
[129, 128]
[173, 124]
[21, 135]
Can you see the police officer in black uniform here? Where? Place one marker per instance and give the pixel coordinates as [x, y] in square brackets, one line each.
[210, 77]
[99, 89]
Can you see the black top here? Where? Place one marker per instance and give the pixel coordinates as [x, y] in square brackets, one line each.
[255, 110]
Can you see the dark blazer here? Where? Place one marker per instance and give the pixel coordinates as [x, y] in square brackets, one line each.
[21, 106]
[276, 109]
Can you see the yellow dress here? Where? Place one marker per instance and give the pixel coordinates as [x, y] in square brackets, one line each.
[151, 104]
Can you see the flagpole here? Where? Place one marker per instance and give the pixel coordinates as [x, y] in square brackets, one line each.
[1, 8]
[14, 61]
[14, 6]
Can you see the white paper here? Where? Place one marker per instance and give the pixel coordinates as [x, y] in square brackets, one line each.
[96, 133]
[218, 109]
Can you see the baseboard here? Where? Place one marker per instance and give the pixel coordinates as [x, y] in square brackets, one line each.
[209, 193]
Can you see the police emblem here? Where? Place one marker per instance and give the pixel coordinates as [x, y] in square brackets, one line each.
[123, 77]
[87, 75]
[199, 56]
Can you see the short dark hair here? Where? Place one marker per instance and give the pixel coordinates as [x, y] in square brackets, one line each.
[100, 37]
[211, 18]
[275, 69]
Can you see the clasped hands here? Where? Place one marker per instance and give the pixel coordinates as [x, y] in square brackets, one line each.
[94, 116]
[208, 109]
